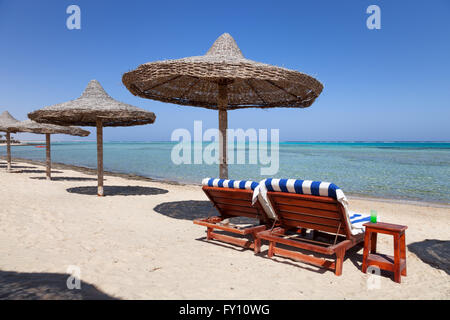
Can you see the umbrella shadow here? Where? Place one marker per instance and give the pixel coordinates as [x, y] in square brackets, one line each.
[118, 190]
[435, 253]
[66, 178]
[193, 209]
[33, 171]
[17, 167]
[45, 286]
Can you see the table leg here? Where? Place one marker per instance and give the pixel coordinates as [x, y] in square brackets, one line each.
[366, 251]
[373, 243]
[403, 251]
[397, 271]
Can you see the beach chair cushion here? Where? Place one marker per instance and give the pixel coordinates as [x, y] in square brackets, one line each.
[233, 184]
[309, 187]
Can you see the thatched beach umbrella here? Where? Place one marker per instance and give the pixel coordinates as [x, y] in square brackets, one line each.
[95, 108]
[7, 120]
[47, 129]
[222, 80]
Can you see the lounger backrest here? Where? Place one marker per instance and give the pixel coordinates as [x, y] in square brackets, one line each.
[233, 198]
[310, 212]
[308, 204]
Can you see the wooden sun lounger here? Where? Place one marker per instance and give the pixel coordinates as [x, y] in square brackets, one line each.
[233, 203]
[299, 212]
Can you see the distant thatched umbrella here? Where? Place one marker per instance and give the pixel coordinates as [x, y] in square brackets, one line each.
[47, 129]
[7, 120]
[94, 108]
[222, 80]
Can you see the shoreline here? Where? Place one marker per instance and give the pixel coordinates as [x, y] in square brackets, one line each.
[131, 176]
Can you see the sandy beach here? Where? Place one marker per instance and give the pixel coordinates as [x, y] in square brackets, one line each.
[139, 242]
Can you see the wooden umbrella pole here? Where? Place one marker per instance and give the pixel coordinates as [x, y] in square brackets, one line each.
[222, 104]
[48, 159]
[100, 157]
[8, 150]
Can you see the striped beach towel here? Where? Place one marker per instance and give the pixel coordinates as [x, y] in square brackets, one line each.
[315, 188]
[358, 219]
[233, 184]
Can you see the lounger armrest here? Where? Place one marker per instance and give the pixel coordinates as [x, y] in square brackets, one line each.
[345, 244]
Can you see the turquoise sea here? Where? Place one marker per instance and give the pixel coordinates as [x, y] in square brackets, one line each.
[399, 170]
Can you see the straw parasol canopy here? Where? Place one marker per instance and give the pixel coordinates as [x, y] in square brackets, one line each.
[222, 80]
[7, 120]
[94, 108]
[47, 129]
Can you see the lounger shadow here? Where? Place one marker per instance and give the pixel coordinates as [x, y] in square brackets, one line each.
[118, 190]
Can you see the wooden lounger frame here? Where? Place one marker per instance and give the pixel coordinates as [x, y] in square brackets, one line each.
[298, 212]
[233, 203]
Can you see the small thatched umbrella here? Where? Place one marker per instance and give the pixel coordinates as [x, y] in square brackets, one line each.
[95, 108]
[222, 80]
[47, 129]
[7, 120]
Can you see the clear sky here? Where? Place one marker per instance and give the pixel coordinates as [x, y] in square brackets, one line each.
[387, 84]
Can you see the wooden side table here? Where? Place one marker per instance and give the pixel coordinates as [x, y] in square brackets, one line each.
[397, 263]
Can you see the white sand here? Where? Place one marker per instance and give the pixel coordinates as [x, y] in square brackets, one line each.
[127, 250]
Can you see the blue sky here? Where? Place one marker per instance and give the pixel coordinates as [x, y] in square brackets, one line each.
[388, 84]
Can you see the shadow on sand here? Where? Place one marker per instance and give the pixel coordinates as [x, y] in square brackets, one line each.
[186, 210]
[39, 286]
[33, 171]
[66, 178]
[191, 210]
[118, 190]
[434, 252]
[3, 166]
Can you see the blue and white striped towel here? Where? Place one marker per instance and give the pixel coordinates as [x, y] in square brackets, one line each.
[233, 184]
[316, 188]
[358, 219]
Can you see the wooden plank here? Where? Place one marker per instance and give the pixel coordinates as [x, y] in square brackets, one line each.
[216, 225]
[323, 263]
[384, 262]
[304, 197]
[380, 227]
[300, 202]
[238, 213]
[309, 218]
[226, 206]
[230, 193]
[267, 235]
[310, 211]
[236, 202]
[308, 225]
[236, 241]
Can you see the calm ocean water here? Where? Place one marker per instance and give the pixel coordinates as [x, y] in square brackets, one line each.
[399, 170]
